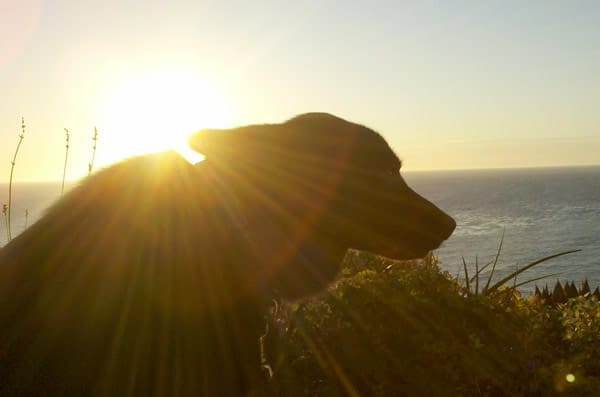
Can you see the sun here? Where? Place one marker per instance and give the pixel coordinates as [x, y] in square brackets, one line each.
[157, 111]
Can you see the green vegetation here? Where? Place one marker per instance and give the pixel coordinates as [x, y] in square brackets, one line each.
[472, 283]
[392, 328]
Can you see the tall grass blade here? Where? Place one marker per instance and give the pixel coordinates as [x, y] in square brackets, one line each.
[481, 269]
[537, 279]
[477, 273]
[466, 276]
[487, 285]
[529, 266]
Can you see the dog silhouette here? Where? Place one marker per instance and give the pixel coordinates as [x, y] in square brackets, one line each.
[152, 277]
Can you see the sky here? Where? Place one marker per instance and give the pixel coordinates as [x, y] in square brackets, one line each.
[450, 85]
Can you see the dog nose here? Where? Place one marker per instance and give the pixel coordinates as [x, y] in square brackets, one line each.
[448, 225]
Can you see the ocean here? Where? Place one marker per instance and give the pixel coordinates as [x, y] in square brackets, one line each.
[541, 212]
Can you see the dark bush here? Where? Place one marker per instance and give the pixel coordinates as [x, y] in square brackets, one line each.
[408, 329]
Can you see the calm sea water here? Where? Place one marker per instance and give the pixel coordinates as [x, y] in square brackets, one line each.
[31, 197]
[541, 211]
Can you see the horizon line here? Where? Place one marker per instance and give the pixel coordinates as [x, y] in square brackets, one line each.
[525, 167]
[403, 170]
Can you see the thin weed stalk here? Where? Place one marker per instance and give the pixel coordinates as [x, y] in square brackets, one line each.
[10, 180]
[91, 163]
[4, 212]
[67, 139]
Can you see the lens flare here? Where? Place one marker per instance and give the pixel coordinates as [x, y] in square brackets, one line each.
[150, 112]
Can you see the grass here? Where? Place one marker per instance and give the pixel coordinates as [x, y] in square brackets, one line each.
[7, 208]
[5, 216]
[67, 139]
[10, 181]
[494, 288]
[26, 219]
[94, 146]
[392, 328]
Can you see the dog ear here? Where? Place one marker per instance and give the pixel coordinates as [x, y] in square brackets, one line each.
[217, 143]
[237, 144]
[313, 132]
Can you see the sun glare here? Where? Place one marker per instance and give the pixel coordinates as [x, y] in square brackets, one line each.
[158, 111]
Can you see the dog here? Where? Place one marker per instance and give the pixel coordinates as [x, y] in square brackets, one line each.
[152, 277]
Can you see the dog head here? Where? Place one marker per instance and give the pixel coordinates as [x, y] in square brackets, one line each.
[314, 186]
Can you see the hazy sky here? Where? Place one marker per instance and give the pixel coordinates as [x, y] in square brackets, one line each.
[450, 84]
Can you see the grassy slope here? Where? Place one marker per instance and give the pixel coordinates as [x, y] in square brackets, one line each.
[408, 329]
